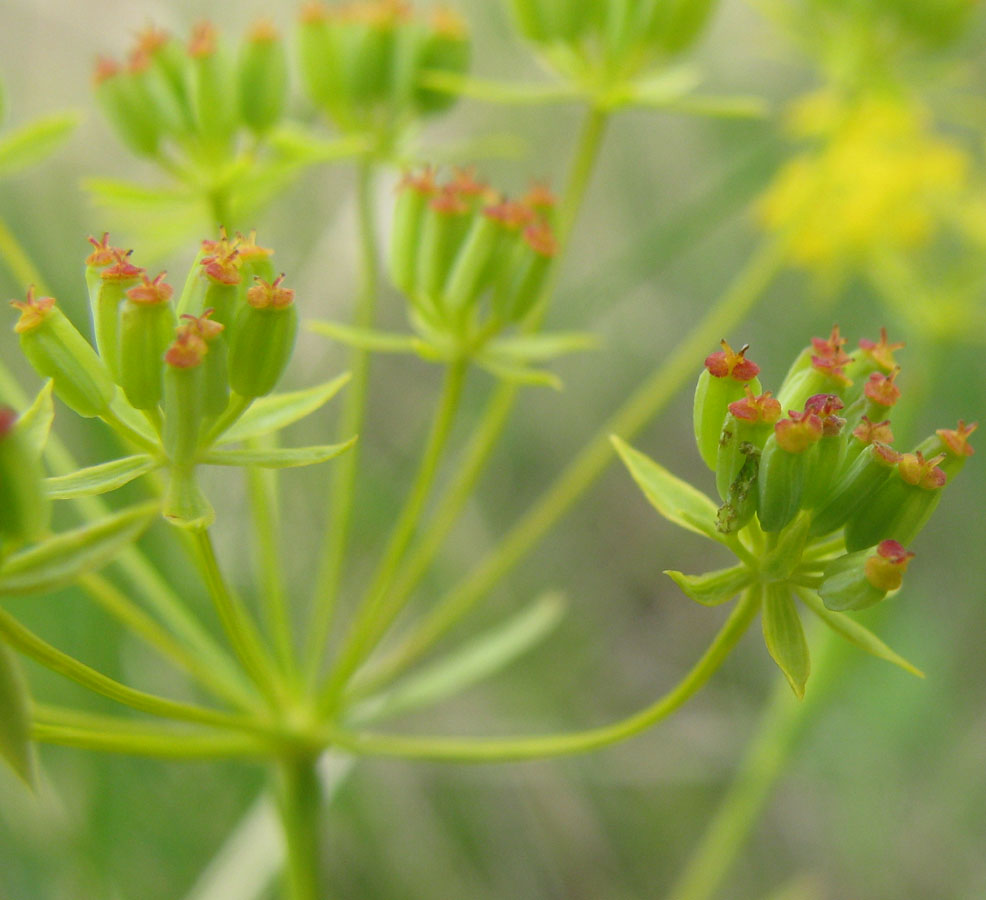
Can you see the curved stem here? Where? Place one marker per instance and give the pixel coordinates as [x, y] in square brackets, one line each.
[494, 418]
[299, 795]
[766, 755]
[651, 397]
[329, 577]
[367, 627]
[541, 747]
[235, 618]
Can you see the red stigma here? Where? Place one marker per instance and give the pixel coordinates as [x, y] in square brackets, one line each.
[956, 440]
[756, 410]
[151, 293]
[881, 389]
[731, 363]
[868, 433]
[882, 351]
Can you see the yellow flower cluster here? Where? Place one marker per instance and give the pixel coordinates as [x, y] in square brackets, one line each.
[879, 180]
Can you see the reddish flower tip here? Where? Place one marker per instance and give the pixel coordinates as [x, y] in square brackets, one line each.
[188, 349]
[104, 70]
[149, 40]
[203, 40]
[449, 201]
[264, 295]
[122, 269]
[248, 247]
[423, 182]
[882, 351]
[797, 433]
[881, 389]
[540, 237]
[34, 310]
[868, 432]
[465, 182]
[222, 260]
[540, 197]
[885, 570]
[447, 23]
[757, 410]
[921, 472]
[8, 419]
[829, 358]
[732, 363]
[263, 31]
[102, 253]
[203, 325]
[511, 214]
[956, 440]
[825, 406]
[151, 293]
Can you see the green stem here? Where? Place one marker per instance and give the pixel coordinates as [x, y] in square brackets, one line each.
[366, 629]
[540, 747]
[28, 643]
[128, 433]
[235, 618]
[124, 610]
[494, 418]
[649, 399]
[328, 580]
[262, 488]
[299, 796]
[19, 263]
[763, 762]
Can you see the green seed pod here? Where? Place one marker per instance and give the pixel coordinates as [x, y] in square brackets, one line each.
[118, 95]
[821, 369]
[902, 505]
[263, 78]
[747, 426]
[169, 60]
[872, 356]
[741, 497]
[953, 443]
[56, 350]
[320, 62]
[152, 90]
[784, 464]
[412, 200]
[23, 503]
[445, 48]
[864, 477]
[446, 221]
[829, 456]
[863, 435]
[881, 394]
[215, 376]
[536, 255]
[465, 280]
[263, 339]
[723, 381]
[114, 281]
[863, 578]
[213, 88]
[183, 413]
[102, 255]
[220, 268]
[147, 326]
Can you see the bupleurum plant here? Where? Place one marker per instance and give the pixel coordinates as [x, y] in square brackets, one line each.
[816, 500]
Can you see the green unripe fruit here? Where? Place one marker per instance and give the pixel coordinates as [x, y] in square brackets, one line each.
[862, 579]
[953, 443]
[147, 326]
[535, 257]
[262, 79]
[445, 48]
[263, 339]
[855, 488]
[412, 201]
[320, 62]
[740, 502]
[56, 350]
[183, 413]
[118, 95]
[213, 88]
[114, 281]
[446, 221]
[784, 465]
[466, 277]
[747, 426]
[723, 381]
[23, 503]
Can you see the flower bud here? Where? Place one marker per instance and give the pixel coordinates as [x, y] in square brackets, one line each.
[105, 300]
[169, 61]
[827, 463]
[56, 350]
[872, 356]
[118, 95]
[444, 48]
[414, 192]
[254, 260]
[147, 325]
[446, 221]
[183, 413]
[23, 503]
[748, 425]
[215, 377]
[855, 488]
[263, 78]
[953, 443]
[263, 339]
[723, 381]
[319, 60]
[536, 254]
[220, 268]
[825, 373]
[866, 433]
[863, 578]
[901, 506]
[213, 88]
[881, 394]
[784, 464]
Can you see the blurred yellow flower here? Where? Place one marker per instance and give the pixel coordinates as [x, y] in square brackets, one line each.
[880, 180]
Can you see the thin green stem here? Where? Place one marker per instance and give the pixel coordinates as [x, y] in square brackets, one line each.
[494, 418]
[237, 623]
[299, 796]
[128, 433]
[17, 260]
[343, 488]
[262, 488]
[541, 747]
[762, 764]
[366, 629]
[28, 643]
[125, 611]
[651, 397]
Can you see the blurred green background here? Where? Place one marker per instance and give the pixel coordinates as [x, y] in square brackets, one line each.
[885, 794]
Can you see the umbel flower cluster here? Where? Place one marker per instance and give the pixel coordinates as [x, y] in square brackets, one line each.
[815, 499]
[175, 379]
